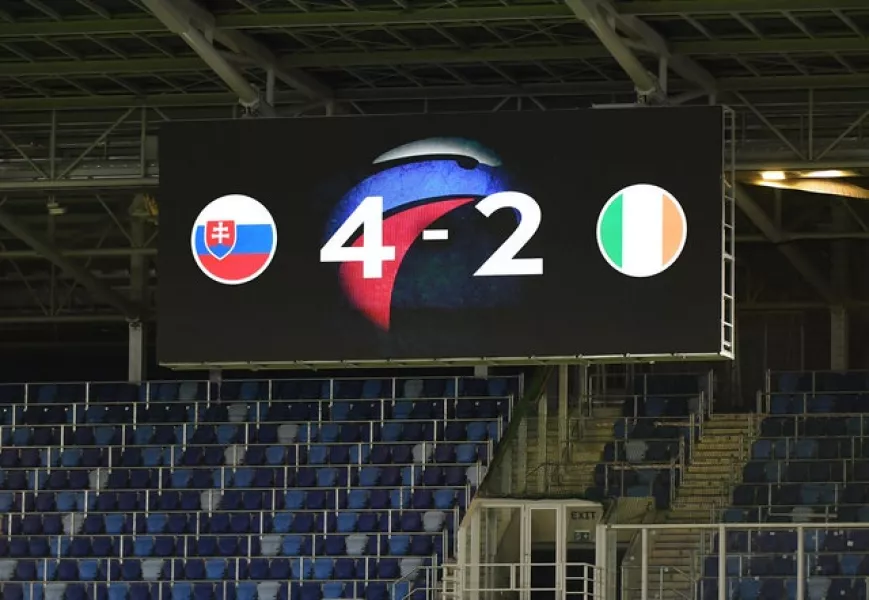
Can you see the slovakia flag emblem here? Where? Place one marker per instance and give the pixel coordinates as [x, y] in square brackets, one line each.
[234, 239]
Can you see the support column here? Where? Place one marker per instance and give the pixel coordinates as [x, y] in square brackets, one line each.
[583, 392]
[138, 284]
[840, 270]
[136, 352]
[563, 408]
[542, 450]
[520, 485]
[839, 346]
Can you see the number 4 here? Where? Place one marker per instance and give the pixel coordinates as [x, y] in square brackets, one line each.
[372, 253]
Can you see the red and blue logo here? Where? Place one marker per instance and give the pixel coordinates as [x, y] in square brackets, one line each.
[411, 188]
[234, 239]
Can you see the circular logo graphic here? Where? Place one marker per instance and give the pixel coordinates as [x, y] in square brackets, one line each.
[641, 230]
[419, 200]
[234, 239]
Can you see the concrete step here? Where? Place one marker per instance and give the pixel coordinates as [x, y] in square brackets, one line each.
[716, 461]
[705, 483]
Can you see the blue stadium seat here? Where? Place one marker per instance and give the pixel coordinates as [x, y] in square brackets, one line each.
[178, 493]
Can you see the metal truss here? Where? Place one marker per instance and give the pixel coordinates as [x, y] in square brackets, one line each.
[84, 87]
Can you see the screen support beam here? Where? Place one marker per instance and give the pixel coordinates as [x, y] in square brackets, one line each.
[647, 85]
[182, 24]
[197, 27]
[605, 20]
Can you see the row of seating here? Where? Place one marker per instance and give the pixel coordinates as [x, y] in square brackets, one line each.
[249, 499]
[778, 588]
[819, 382]
[807, 471]
[407, 538]
[785, 542]
[787, 494]
[399, 468]
[193, 460]
[832, 447]
[784, 565]
[226, 590]
[807, 467]
[243, 521]
[814, 426]
[789, 404]
[308, 480]
[157, 569]
[47, 423]
[238, 489]
[239, 523]
[199, 433]
[342, 389]
[228, 548]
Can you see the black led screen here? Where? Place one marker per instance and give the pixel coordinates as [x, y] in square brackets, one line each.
[515, 235]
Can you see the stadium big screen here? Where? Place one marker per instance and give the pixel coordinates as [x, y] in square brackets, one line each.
[513, 235]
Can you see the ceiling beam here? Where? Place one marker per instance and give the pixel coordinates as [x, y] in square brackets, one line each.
[644, 36]
[97, 288]
[696, 7]
[646, 84]
[771, 85]
[286, 67]
[136, 23]
[813, 276]
[180, 21]
[102, 66]
[244, 45]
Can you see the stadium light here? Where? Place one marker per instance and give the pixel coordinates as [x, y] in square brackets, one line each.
[773, 175]
[827, 174]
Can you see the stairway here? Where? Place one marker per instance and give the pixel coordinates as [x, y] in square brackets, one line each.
[586, 452]
[716, 466]
[566, 470]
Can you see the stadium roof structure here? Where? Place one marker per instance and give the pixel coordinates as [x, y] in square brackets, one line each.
[84, 84]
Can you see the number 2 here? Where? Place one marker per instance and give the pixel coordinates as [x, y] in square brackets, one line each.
[503, 261]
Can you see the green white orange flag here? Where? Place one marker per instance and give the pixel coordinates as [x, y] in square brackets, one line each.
[641, 230]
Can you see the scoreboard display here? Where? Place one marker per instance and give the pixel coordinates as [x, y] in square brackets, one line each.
[512, 236]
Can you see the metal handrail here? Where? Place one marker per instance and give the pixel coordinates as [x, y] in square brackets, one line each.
[517, 582]
[814, 375]
[184, 538]
[90, 389]
[660, 571]
[260, 512]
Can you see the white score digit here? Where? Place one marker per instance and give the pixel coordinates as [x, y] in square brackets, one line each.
[372, 253]
[503, 261]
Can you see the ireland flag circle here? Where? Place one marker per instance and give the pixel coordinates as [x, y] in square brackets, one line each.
[641, 230]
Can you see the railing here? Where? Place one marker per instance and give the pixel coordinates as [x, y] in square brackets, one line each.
[313, 411]
[634, 403]
[292, 434]
[796, 541]
[818, 381]
[554, 580]
[423, 578]
[246, 546]
[166, 579]
[663, 583]
[268, 389]
[815, 404]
